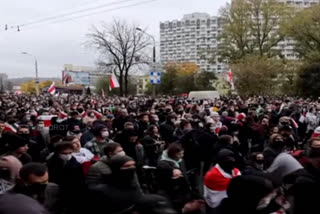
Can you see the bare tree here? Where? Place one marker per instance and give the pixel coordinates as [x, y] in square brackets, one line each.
[120, 45]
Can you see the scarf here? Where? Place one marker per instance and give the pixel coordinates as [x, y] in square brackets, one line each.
[165, 157]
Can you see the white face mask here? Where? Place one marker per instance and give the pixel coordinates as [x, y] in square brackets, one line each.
[65, 157]
[105, 134]
[122, 153]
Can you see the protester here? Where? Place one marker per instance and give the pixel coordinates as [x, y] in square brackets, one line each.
[11, 202]
[266, 138]
[100, 140]
[99, 172]
[33, 182]
[172, 177]
[65, 171]
[218, 178]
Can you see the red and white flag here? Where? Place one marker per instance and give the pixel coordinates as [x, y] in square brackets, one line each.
[52, 88]
[230, 79]
[9, 128]
[113, 83]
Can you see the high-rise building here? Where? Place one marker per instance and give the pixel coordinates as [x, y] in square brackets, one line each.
[287, 46]
[300, 3]
[190, 39]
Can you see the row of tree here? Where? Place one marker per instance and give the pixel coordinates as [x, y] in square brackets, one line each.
[250, 42]
[179, 78]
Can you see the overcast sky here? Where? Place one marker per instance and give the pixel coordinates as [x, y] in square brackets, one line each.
[63, 43]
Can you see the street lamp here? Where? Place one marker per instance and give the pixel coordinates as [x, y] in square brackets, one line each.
[154, 57]
[36, 69]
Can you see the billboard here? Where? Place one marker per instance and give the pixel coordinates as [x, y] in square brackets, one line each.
[74, 77]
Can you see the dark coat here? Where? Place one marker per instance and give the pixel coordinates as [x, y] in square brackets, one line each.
[176, 190]
[167, 131]
[70, 178]
[11, 203]
[152, 151]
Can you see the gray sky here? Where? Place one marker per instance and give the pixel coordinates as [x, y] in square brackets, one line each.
[63, 43]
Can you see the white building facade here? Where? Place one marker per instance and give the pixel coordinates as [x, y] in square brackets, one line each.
[190, 39]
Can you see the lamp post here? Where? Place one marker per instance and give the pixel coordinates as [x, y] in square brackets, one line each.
[153, 56]
[36, 70]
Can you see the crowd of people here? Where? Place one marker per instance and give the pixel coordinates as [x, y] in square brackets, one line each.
[73, 154]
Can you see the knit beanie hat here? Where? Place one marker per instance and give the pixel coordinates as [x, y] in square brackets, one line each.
[14, 142]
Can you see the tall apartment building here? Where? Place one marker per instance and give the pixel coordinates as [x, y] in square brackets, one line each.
[300, 3]
[188, 40]
[287, 46]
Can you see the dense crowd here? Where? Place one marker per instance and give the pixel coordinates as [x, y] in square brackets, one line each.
[72, 154]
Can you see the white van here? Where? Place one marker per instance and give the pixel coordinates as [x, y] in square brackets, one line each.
[199, 95]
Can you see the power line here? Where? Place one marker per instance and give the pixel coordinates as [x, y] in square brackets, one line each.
[55, 17]
[90, 14]
[68, 9]
[74, 12]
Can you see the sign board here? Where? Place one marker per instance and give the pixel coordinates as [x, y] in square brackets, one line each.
[155, 77]
[81, 78]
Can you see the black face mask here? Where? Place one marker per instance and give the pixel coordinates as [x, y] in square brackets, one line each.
[37, 190]
[124, 177]
[25, 136]
[227, 165]
[259, 162]
[278, 145]
[314, 152]
[76, 132]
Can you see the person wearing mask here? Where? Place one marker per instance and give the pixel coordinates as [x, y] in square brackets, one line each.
[120, 136]
[36, 142]
[255, 164]
[75, 131]
[172, 177]
[143, 125]
[65, 171]
[216, 181]
[88, 134]
[101, 139]
[184, 128]
[273, 149]
[118, 123]
[43, 130]
[119, 194]
[245, 194]
[18, 147]
[288, 138]
[99, 171]
[154, 119]
[74, 120]
[33, 182]
[153, 145]
[10, 202]
[167, 128]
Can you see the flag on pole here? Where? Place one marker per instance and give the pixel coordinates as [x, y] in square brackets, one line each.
[113, 83]
[230, 79]
[52, 89]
